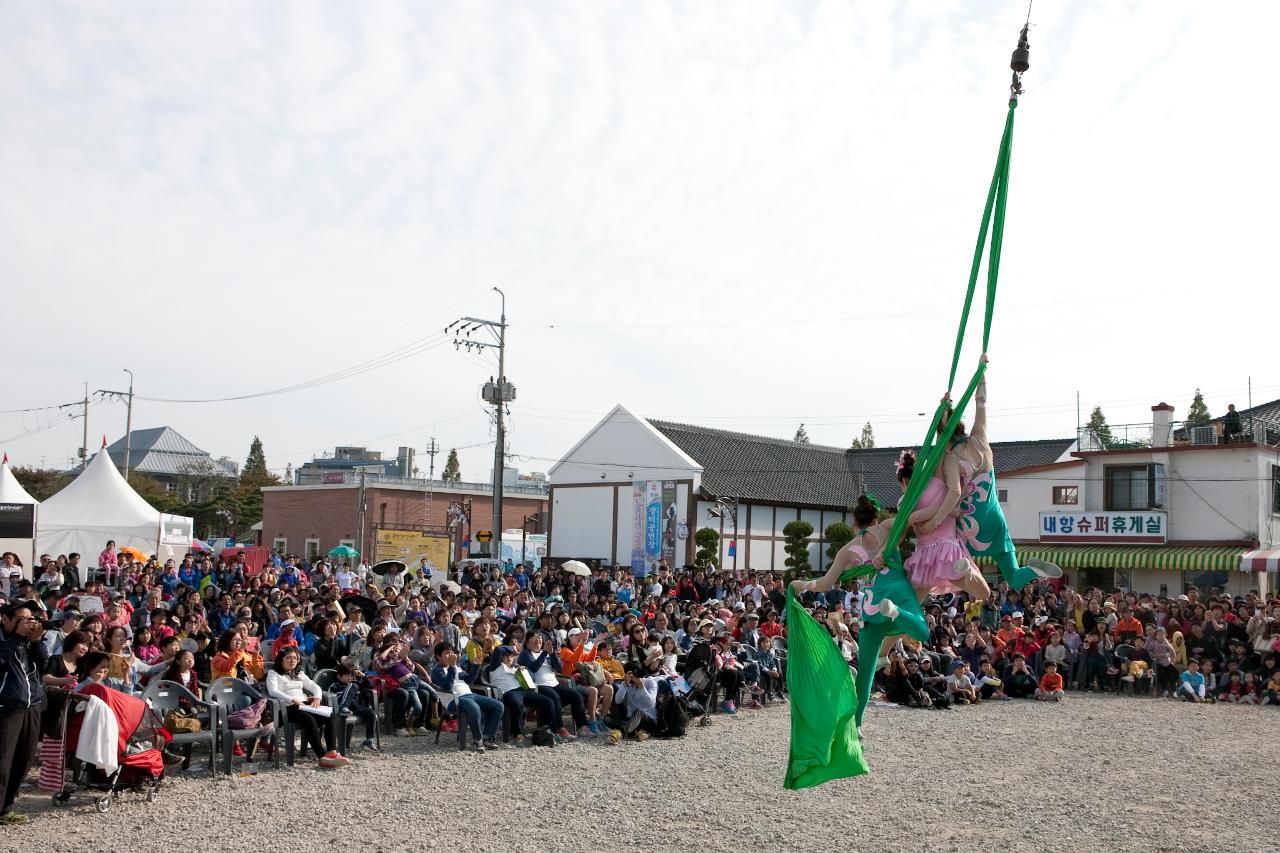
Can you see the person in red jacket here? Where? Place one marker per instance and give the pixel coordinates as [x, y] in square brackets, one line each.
[1050, 689]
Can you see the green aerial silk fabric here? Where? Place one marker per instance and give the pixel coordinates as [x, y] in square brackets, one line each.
[823, 738]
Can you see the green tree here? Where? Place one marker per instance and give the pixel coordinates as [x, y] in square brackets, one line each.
[151, 491]
[40, 483]
[802, 437]
[708, 554]
[837, 535]
[866, 441]
[1198, 414]
[451, 470]
[1098, 426]
[796, 535]
[246, 497]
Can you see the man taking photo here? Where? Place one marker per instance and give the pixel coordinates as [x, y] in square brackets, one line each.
[22, 699]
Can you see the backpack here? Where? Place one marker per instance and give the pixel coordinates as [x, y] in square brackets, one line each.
[673, 717]
[542, 737]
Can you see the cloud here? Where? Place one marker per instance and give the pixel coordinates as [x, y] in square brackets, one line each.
[234, 197]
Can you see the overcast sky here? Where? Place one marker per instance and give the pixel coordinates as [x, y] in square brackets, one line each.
[690, 206]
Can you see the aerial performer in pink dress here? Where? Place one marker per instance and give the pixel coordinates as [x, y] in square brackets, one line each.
[968, 469]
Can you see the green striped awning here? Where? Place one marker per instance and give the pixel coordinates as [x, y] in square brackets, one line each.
[1154, 557]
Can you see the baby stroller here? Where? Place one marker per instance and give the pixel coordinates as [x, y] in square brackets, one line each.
[139, 739]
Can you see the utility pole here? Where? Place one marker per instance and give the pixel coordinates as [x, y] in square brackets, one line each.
[432, 449]
[84, 445]
[128, 426]
[127, 396]
[497, 392]
[360, 517]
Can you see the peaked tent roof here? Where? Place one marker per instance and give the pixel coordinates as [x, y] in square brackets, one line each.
[761, 469]
[161, 450]
[98, 497]
[11, 491]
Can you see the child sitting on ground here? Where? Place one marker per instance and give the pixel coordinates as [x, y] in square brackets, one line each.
[353, 692]
[1271, 694]
[960, 688]
[1191, 684]
[988, 682]
[1050, 689]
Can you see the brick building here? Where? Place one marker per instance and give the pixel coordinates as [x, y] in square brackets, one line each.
[314, 519]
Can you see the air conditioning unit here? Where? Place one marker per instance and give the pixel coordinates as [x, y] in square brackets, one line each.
[1204, 435]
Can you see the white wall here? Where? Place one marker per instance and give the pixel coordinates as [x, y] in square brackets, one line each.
[1032, 493]
[582, 522]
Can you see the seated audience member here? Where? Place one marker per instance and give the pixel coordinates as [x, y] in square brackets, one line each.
[483, 714]
[1050, 689]
[353, 693]
[635, 707]
[959, 686]
[1191, 685]
[503, 677]
[989, 685]
[287, 684]
[542, 663]
[1019, 681]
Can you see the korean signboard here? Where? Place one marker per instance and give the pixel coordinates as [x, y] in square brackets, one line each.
[410, 546]
[1132, 526]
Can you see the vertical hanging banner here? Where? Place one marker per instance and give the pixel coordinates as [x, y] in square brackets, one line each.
[639, 500]
[670, 521]
[654, 524]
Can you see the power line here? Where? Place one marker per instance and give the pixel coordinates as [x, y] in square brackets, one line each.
[399, 354]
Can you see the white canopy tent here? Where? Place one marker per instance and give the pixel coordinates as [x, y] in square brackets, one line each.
[17, 520]
[98, 506]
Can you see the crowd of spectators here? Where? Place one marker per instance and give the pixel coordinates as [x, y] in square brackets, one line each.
[587, 657]
[591, 657]
[1048, 640]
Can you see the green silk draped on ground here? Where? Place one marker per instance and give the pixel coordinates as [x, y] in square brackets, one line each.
[824, 746]
[824, 739]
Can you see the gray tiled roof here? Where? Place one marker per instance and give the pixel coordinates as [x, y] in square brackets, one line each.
[761, 469]
[161, 450]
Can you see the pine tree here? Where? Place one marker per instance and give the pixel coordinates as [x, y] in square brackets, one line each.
[708, 542]
[802, 437]
[1098, 426]
[451, 470]
[1198, 414]
[247, 495]
[866, 441]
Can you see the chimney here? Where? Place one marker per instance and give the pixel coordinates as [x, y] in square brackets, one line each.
[1161, 420]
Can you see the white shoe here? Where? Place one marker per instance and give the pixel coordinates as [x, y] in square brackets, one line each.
[1044, 568]
[889, 609]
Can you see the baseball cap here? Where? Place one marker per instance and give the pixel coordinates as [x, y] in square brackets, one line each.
[573, 632]
[506, 650]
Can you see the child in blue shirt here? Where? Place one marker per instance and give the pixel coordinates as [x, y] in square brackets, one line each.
[1191, 685]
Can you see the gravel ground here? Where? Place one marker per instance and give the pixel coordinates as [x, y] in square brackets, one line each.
[1094, 773]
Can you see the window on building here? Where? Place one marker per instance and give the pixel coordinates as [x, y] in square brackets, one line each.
[1066, 495]
[280, 544]
[312, 549]
[1275, 489]
[1002, 495]
[1128, 487]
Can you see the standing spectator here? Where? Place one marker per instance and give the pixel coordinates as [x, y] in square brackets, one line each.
[108, 563]
[22, 699]
[1231, 426]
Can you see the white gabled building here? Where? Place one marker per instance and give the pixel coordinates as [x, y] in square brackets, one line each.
[746, 487]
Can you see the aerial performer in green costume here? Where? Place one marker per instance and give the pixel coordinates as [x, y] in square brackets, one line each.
[826, 706]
